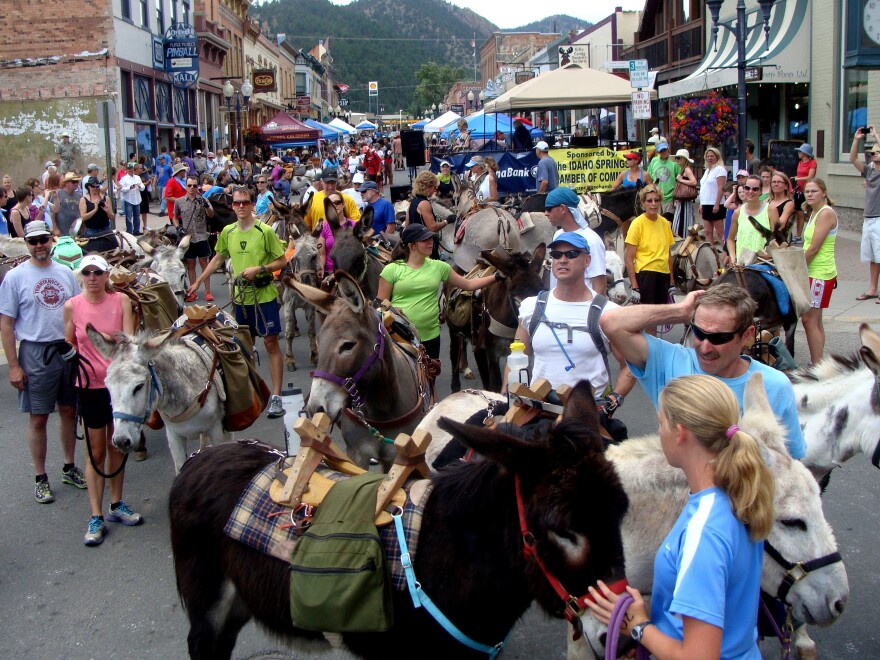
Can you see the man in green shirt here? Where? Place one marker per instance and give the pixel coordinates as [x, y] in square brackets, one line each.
[663, 171]
[255, 252]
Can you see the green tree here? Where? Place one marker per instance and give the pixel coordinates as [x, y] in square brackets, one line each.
[434, 81]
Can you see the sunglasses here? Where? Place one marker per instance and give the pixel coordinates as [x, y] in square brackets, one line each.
[337, 202]
[40, 240]
[259, 182]
[714, 338]
[752, 188]
[568, 254]
[92, 273]
[240, 202]
[192, 185]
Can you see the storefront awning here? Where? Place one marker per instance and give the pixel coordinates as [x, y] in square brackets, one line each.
[786, 61]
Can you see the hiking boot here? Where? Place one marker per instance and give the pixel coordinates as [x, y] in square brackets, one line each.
[190, 297]
[74, 477]
[122, 514]
[95, 532]
[42, 493]
[275, 408]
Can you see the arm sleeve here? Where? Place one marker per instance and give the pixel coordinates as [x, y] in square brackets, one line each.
[222, 246]
[351, 208]
[390, 273]
[444, 270]
[702, 581]
[656, 372]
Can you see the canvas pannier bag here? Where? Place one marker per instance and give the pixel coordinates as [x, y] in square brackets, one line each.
[339, 579]
[791, 264]
[247, 394]
[157, 306]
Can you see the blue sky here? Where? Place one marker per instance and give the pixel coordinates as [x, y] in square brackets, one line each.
[513, 13]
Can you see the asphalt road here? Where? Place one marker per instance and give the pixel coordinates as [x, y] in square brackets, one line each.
[60, 599]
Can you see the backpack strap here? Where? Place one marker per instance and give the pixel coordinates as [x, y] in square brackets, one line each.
[596, 307]
[537, 316]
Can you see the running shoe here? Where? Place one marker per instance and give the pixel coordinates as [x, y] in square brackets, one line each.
[95, 532]
[122, 514]
[190, 297]
[42, 493]
[208, 296]
[74, 477]
[275, 408]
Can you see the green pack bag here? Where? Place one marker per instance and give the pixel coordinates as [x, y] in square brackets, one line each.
[339, 579]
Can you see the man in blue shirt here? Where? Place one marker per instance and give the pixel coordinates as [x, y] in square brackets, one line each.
[383, 210]
[722, 323]
[163, 173]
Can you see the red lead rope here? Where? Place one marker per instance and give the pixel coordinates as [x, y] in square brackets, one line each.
[575, 606]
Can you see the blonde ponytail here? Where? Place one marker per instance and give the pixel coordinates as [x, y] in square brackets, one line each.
[739, 468]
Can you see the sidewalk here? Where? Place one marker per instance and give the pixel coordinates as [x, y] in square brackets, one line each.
[852, 280]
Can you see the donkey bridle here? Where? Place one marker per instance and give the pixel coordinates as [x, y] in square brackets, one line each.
[155, 392]
[795, 572]
[350, 384]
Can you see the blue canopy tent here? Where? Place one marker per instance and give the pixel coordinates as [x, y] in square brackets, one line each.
[327, 132]
[366, 126]
[420, 125]
[483, 126]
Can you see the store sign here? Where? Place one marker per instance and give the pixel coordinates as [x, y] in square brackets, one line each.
[457, 108]
[181, 47]
[263, 80]
[522, 76]
[754, 73]
[373, 88]
[158, 53]
[303, 103]
[574, 54]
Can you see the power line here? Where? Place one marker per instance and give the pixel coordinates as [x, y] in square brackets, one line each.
[454, 40]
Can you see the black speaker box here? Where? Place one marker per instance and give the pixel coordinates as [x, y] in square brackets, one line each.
[413, 144]
[195, 142]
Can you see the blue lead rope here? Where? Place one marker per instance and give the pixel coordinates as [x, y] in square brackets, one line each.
[421, 599]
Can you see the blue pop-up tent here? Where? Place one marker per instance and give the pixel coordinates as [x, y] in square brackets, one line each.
[327, 132]
[483, 126]
[420, 125]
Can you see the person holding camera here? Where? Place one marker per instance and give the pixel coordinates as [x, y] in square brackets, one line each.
[255, 252]
[191, 214]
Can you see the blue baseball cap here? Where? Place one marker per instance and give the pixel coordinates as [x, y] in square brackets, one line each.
[562, 195]
[572, 238]
[661, 146]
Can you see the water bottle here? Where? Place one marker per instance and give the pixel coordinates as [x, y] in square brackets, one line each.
[518, 363]
[293, 402]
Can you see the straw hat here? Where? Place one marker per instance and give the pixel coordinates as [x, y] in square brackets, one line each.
[684, 153]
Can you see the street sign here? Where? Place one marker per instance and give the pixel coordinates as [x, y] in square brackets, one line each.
[616, 64]
[343, 103]
[754, 73]
[641, 105]
[373, 86]
[181, 47]
[638, 73]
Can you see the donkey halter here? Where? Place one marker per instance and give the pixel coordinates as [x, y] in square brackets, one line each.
[795, 572]
[155, 393]
[350, 384]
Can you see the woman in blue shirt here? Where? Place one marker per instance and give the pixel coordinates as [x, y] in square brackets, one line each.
[707, 573]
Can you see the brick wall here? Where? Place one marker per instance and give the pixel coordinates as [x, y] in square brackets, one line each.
[55, 27]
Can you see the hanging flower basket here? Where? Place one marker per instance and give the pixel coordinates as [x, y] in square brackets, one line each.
[702, 122]
[253, 134]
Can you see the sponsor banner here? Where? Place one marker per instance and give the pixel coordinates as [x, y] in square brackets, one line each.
[516, 170]
[263, 80]
[182, 55]
[593, 169]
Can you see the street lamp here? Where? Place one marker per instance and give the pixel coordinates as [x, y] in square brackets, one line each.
[739, 31]
[242, 100]
[433, 110]
[470, 98]
[442, 107]
[482, 98]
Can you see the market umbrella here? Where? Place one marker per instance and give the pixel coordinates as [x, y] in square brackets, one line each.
[572, 86]
[283, 128]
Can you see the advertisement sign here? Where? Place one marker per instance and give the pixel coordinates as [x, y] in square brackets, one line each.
[373, 86]
[158, 53]
[263, 80]
[522, 76]
[574, 54]
[517, 171]
[595, 169]
[303, 103]
[457, 108]
[182, 55]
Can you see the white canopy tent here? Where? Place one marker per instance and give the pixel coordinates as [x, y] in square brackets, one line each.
[341, 125]
[442, 122]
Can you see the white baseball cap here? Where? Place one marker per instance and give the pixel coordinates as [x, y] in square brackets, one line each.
[542, 146]
[95, 260]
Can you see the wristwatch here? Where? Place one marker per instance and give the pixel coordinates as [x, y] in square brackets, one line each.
[639, 630]
[262, 269]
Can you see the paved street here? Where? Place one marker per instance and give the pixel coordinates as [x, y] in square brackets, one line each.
[60, 599]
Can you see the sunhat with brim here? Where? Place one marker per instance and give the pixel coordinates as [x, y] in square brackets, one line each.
[70, 176]
[180, 167]
[806, 149]
[684, 153]
[474, 161]
[632, 154]
[875, 149]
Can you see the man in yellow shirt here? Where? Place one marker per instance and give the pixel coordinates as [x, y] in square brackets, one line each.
[316, 215]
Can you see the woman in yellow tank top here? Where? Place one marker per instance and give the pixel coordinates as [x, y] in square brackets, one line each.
[820, 236]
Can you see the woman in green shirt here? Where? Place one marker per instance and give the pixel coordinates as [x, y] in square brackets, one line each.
[413, 283]
[820, 235]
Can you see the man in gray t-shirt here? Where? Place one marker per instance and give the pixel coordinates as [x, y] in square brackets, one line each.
[32, 298]
[547, 175]
[870, 249]
[65, 211]
[66, 151]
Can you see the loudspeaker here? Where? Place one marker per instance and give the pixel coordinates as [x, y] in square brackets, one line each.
[413, 144]
[400, 193]
[588, 141]
[195, 142]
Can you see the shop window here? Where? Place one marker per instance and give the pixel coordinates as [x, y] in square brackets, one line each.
[127, 101]
[160, 16]
[145, 13]
[126, 9]
[143, 100]
[855, 103]
[798, 113]
[173, 12]
[301, 84]
[186, 13]
[181, 106]
[163, 103]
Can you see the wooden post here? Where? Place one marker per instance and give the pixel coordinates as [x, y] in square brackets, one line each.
[521, 415]
[410, 457]
[314, 445]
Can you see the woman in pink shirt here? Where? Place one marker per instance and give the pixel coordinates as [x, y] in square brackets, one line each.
[329, 228]
[108, 312]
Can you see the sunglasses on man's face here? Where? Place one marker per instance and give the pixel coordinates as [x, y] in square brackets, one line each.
[242, 202]
[714, 338]
[39, 240]
[568, 254]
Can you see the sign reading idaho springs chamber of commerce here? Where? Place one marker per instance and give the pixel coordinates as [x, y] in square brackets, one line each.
[182, 55]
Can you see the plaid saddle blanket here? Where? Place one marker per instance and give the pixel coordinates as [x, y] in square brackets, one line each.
[260, 523]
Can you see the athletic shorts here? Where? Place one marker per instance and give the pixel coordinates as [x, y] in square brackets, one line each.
[266, 321]
[820, 292]
[199, 250]
[94, 407]
[653, 287]
[47, 384]
[870, 252]
[799, 200]
[708, 214]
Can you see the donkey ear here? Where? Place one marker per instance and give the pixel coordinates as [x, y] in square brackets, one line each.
[330, 211]
[536, 263]
[581, 404]
[350, 292]
[146, 247]
[365, 223]
[183, 246]
[158, 340]
[498, 258]
[870, 349]
[755, 396]
[107, 345]
[508, 451]
[321, 300]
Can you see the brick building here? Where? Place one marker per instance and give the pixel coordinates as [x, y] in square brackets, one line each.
[503, 48]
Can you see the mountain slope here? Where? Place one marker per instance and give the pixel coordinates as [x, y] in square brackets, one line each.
[559, 23]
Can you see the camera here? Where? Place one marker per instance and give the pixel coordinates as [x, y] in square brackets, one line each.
[863, 129]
